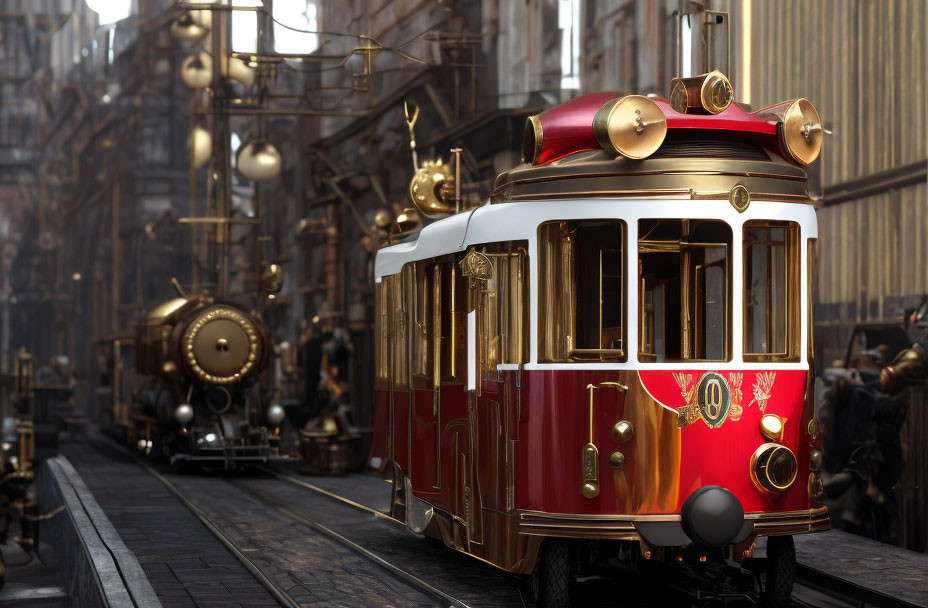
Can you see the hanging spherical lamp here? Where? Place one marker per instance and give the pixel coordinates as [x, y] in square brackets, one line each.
[200, 144]
[258, 160]
[188, 26]
[239, 71]
[197, 70]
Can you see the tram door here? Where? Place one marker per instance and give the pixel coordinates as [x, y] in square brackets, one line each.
[495, 302]
[425, 355]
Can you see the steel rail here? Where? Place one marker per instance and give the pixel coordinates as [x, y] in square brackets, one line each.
[833, 586]
[273, 588]
[443, 598]
[285, 599]
[844, 589]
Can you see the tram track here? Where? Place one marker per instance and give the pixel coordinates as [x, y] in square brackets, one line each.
[286, 596]
[442, 577]
[273, 571]
[814, 589]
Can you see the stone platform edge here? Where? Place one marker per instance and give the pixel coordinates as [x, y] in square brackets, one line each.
[99, 569]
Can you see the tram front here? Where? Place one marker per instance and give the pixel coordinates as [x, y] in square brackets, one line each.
[670, 400]
[614, 356]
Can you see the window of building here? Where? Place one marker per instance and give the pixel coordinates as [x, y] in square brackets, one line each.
[568, 21]
[684, 285]
[293, 15]
[245, 27]
[582, 290]
[771, 291]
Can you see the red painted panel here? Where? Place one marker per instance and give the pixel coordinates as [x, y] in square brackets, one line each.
[568, 128]
[721, 456]
[381, 428]
[732, 119]
[424, 466]
[555, 426]
[452, 407]
[401, 429]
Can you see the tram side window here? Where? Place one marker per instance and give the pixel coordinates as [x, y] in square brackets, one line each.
[382, 334]
[422, 299]
[771, 291]
[684, 290]
[582, 290]
[453, 297]
[400, 288]
[501, 301]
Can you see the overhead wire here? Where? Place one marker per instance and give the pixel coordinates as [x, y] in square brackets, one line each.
[360, 37]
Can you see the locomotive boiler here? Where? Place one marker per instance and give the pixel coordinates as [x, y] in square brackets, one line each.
[612, 357]
[203, 401]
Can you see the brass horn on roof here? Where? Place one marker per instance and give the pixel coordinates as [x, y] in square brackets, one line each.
[632, 126]
[704, 94]
[799, 127]
[532, 137]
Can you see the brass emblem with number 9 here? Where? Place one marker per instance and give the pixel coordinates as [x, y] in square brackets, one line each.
[713, 396]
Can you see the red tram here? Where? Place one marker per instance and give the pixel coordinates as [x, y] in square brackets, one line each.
[613, 355]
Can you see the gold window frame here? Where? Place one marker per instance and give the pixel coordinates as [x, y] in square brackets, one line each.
[557, 316]
[680, 247]
[793, 291]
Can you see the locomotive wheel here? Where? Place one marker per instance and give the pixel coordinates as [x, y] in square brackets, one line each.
[780, 572]
[551, 578]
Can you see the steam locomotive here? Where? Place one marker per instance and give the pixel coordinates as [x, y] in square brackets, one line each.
[612, 357]
[198, 399]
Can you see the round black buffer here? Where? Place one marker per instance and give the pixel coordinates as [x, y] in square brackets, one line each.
[712, 516]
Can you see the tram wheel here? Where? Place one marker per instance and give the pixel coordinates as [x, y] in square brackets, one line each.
[551, 578]
[780, 572]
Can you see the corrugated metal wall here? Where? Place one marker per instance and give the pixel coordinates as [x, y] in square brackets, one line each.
[863, 64]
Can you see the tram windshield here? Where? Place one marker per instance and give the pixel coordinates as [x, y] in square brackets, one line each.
[684, 281]
[582, 306]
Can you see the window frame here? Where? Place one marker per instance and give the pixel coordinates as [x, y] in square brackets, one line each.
[548, 351]
[793, 252]
[649, 358]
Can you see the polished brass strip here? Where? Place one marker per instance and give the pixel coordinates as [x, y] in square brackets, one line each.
[541, 515]
[612, 174]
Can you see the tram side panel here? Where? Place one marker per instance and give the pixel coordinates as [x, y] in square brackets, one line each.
[662, 464]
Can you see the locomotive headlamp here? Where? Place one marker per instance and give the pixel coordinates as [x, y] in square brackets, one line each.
[632, 126]
[183, 413]
[773, 467]
[771, 427]
[275, 414]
